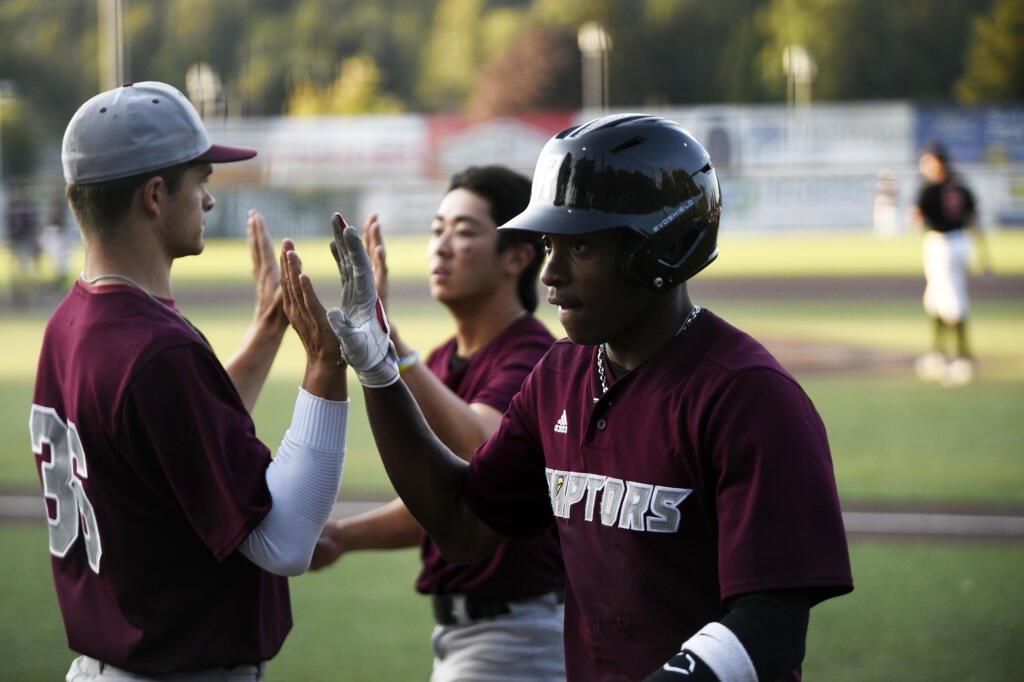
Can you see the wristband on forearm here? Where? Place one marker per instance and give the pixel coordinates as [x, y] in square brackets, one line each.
[407, 361]
[714, 654]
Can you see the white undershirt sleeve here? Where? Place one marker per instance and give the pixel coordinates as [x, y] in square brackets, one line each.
[303, 480]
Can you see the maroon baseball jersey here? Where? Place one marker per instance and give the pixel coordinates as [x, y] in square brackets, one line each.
[522, 567]
[153, 476]
[703, 473]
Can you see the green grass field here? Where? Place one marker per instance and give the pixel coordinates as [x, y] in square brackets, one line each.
[921, 611]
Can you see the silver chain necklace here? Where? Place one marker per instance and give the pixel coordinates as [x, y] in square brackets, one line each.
[156, 300]
[602, 352]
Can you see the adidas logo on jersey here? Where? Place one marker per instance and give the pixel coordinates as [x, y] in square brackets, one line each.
[562, 425]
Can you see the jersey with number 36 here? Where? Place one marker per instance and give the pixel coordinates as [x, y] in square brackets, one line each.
[152, 475]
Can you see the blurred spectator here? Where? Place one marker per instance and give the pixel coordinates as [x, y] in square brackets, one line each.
[22, 239]
[946, 209]
[55, 241]
[886, 217]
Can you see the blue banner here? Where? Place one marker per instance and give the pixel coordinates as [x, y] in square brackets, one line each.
[992, 135]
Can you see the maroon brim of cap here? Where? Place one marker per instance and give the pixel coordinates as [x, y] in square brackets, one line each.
[218, 153]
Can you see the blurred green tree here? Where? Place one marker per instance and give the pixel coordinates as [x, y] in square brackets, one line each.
[19, 137]
[451, 55]
[354, 91]
[869, 49]
[995, 58]
[44, 49]
[540, 70]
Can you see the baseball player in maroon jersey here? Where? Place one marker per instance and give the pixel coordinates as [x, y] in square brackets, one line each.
[499, 618]
[170, 528]
[687, 473]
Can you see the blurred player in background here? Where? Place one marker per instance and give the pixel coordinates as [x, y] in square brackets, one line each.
[23, 240]
[687, 473]
[945, 207]
[499, 618]
[171, 530]
[55, 241]
[885, 214]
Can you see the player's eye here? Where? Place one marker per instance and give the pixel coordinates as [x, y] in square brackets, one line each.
[545, 242]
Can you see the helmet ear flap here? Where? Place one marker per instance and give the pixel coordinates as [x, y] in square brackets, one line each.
[657, 261]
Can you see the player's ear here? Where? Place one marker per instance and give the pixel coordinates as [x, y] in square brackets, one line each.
[152, 195]
[516, 258]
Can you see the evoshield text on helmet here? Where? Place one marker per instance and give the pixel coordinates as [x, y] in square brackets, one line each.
[633, 171]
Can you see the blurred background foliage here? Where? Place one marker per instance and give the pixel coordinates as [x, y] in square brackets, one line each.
[311, 57]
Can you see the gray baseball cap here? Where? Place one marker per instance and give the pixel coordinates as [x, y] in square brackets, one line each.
[135, 128]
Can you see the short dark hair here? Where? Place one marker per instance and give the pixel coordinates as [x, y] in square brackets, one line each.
[99, 206]
[508, 193]
[936, 149]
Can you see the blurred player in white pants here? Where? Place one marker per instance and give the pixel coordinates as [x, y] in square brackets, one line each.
[946, 209]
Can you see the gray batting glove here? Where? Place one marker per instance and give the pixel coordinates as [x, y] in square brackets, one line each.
[360, 323]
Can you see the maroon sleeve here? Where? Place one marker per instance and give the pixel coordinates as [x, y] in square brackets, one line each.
[509, 370]
[195, 444]
[507, 483]
[778, 509]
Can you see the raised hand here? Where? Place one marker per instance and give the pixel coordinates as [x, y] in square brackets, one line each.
[374, 241]
[250, 364]
[360, 322]
[324, 362]
[266, 271]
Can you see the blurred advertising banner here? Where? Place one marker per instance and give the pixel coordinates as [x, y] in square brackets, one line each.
[990, 135]
[850, 166]
[362, 150]
[332, 151]
[458, 141]
[772, 136]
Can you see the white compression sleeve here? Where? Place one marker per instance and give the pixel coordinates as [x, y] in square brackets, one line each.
[303, 480]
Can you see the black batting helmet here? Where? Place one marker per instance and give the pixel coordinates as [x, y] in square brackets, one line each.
[643, 173]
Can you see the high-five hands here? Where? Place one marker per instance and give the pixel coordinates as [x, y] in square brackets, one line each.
[360, 322]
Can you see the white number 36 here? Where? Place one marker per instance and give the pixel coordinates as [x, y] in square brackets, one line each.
[62, 482]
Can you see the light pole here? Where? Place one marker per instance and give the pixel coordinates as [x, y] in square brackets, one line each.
[799, 66]
[111, 39]
[203, 86]
[594, 43]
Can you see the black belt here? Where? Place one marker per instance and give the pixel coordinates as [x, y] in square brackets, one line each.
[459, 609]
